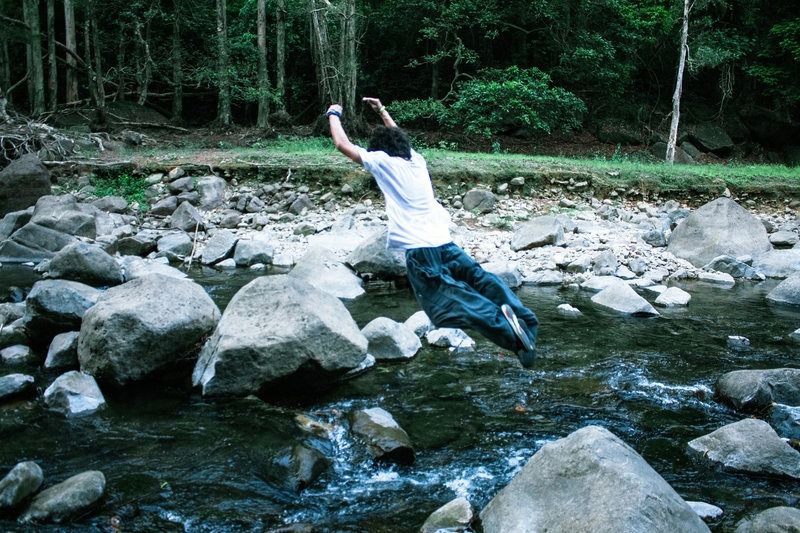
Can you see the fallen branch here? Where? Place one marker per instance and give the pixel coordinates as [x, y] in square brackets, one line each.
[151, 125]
[88, 163]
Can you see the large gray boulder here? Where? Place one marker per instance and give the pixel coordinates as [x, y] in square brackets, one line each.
[538, 232]
[721, 227]
[507, 271]
[68, 499]
[111, 204]
[774, 520]
[320, 268]
[64, 214]
[372, 258]
[786, 421]
[14, 221]
[749, 446]
[272, 328]
[778, 263]
[63, 351]
[253, 251]
[737, 269]
[453, 517]
[85, 263]
[74, 394]
[479, 200]
[787, 292]
[212, 192]
[383, 437]
[589, 482]
[219, 246]
[619, 296]
[57, 306]
[711, 138]
[390, 340]
[144, 325]
[22, 183]
[165, 206]
[175, 246]
[22, 481]
[14, 384]
[186, 218]
[756, 390]
[140, 244]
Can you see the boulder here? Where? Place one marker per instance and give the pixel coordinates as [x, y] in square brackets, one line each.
[749, 446]
[538, 232]
[390, 341]
[57, 306]
[141, 244]
[774, 520]
[64, 214]
[784, 239]
[303, 203]
[605, 263]
[144, 325]
[22, 481]
[136, 267]
[85, 263]
[181, 185]
[68, 499]
[544, 278]
[175, 246]
[450, 338]
[63, 351]
[13, 385]
[479, 200]
[307, 465]
[419, 323]
[383, 437]
[372, 258]
[186, 218]
[212, 192]
[165, 207]
[787, 292]
[507, 271]
[14, 221]
[655, 238]
[111, 204]
[453, 517]
[22, 183]
[320, 268]
[219, 247]
[589, 482]
[737, 269]
[659, 151]
[778, 263]
[673, 297]
[18, 354]
[786, 421]
[14, 333]
[251, 252]
[706, 511]
[275, 328]
[74, 394]
[721, 227]
[621, 297]
[757, 390]
[711, 138]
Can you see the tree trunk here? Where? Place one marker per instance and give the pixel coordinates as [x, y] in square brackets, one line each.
[121, 65]
[328, 84]
[676, 98]
[5, 66]
[52, 71]
[223, 66]
[31, 12]
[98, 74]
[144, 61]
[347, 59]
[88, 59]
[263, 77]
[280, 59]
[177, 65]
[71, 44]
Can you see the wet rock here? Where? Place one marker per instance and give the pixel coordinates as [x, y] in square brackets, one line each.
[507, 271]
[605, 263]
[220, 246]
[12, 385]
[9, 312]
[136, 267]
[307, 465]
[706, 511]
[320, 268]
[787, 292]
[453, 517]
[717, 278]
[144, 325]
[212, 192]
[721, 227]
[544, 278]
[57, 306]
[737, 342]
[778, 263]
[141, 244]
[383, 437]
[568, 310]
[479, 200]
[756, 390]
[620, 297]
[786, 421]
[538, 232]
[68, 499]
[165, 207]
[372, 259]
[390, 341]
[274, 327]
[22, 481]
[22, 183]
[14, 221]
[673, 297]
[174, 246]
[63, 351]
[85, 263]
[587, 482]
[186, 218]
[419, 323]
[450, 337]
[737, 269]
[749, 446]
[774, 520]
[74, 394]
[14, 333]
[18, 355]
[600, 283]
[251, 252]
[784, 239]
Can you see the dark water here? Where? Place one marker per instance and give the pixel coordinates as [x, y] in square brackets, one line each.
[176, 462]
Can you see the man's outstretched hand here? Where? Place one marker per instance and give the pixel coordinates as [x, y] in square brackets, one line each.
[374, 103]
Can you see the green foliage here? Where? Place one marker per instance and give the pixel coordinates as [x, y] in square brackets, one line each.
[514, 99]
[126, 185]
[778, 65]
[416, 112]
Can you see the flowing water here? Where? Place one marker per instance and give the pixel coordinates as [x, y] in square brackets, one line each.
[176, 462]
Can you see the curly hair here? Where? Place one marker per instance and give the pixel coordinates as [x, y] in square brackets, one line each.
[393, 141]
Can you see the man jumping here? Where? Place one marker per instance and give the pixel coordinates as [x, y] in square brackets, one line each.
[453, 289]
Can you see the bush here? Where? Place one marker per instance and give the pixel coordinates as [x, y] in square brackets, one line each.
[516, 101]
[427, 113]
[126, 185]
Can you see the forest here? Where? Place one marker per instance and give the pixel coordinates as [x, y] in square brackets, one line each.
[513, 67]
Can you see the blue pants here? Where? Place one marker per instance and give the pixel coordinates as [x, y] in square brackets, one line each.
[456, 292]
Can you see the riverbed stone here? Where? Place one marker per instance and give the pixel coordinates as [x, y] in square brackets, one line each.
[737, 269]
[390, 341]
[706, 511]
[757, 390]
[181, 185]
[419, 323]
[720, 227]
[14, 333]
[784, 239]
[276, 328]
[544, 278]
[778, 263]
[479, 200]
[22, 481]
[371, 258]
[605, 263]
[307, 465]
[63, 351]
[137, 267]
[507, 271]
[74, 394]
[13, 385]
[787, 292]
[144, 325]
[68, 499]
[220, 246]
[85, 263]
[111, 204]
[774, 520]
[57, 306]
[587, 482]
[22, 183]
[542, 231]
[64, 214]
[165, 206]
[321, 268]
[250, 252]
[186, 218]
[14, 221]
[453, 517]
[673, 297]
[786, 421]
[749, 446]
[212, 192]
[717, 278]
[450, 338]
[175, 246]
[621, 297]
[711, 138]
[141, 244]
[382, 435]
[18, 354]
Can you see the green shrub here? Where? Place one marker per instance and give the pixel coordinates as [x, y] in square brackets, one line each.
[126, 185]
[420, 113]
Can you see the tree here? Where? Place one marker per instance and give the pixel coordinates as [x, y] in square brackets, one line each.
[52, 68]
[336, 72]
[71, 45]
[36, 68]
[280, 53]
[223, 66]
[177, 64]
[676, 97]
[263, 76]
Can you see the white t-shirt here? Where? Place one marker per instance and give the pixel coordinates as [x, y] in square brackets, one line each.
[416, 219]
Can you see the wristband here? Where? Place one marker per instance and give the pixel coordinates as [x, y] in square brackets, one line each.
[382, 109]
[334, 112]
